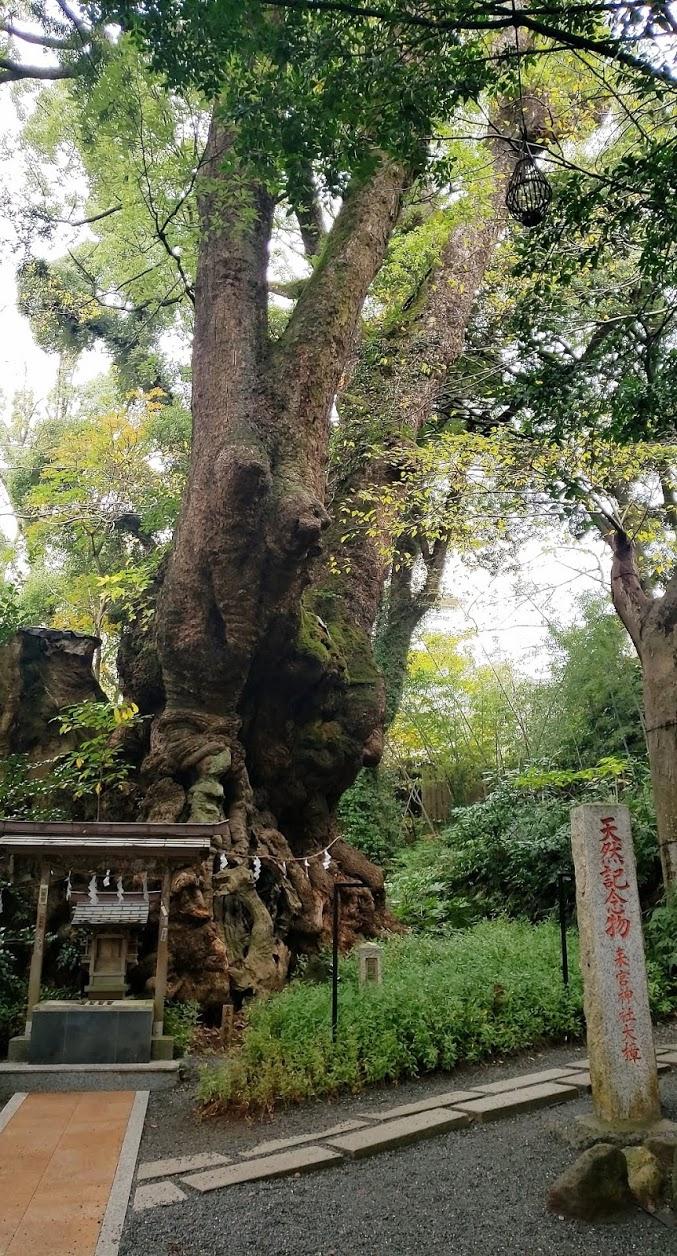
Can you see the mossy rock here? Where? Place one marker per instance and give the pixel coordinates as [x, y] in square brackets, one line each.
[645, 1175]
[594, 1187]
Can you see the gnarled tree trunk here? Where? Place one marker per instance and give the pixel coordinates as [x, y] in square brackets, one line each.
[261, 679]
[261, 710]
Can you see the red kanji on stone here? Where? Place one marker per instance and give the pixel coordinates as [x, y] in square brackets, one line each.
[617, 925]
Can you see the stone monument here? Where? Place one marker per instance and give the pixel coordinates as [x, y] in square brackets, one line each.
[616, 998]
[369, 963]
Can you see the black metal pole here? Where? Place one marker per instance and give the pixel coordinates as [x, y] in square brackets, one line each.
[561, 878]
[334, 960]
[339, 886]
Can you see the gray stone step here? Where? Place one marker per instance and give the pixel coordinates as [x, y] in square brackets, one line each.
[318, 1136]
[526, 1079]
[398, 1133]
[180, 1164]
[581, 1080]
[507, 1103]
[446, 1100]
[157, 1195]
[303, 1160]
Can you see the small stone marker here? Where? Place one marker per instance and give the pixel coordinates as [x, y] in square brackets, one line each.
[369, 964]
[616, 997]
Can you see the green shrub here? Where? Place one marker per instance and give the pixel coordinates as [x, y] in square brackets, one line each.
[488, 990]
[181, 1021]
[370, 815]
[503, 855]
[660, 935]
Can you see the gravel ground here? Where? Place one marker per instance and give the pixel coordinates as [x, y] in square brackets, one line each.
[473, 1192]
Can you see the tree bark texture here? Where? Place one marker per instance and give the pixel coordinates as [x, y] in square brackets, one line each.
[652, 625]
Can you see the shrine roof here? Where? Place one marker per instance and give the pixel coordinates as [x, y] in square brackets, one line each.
[112, 912]
[154, 841]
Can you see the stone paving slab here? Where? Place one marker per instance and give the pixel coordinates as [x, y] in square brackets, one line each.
[180, 1164]
[318, 1136]
[525, 1079]
[398, 1133]
[447, 1100]
[494, 1106]
[156, 1195]
[303, 1160]
[582, 1080]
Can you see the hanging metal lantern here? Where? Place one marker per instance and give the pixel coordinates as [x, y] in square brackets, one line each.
[529, 193]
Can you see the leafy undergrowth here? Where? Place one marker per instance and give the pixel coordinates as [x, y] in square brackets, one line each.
[488, 990]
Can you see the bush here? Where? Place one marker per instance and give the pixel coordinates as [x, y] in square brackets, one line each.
[491, 989]
[181, 1021]
[660, 935]
[370, 815]
[503, 856]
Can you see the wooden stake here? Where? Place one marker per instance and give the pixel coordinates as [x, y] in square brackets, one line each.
[35, 978]
[162, 956]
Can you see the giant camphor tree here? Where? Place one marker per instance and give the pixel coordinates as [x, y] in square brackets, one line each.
[258, 675]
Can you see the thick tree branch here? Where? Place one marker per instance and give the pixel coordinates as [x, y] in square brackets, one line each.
[308, 210]
[630, 599]
[499, 19]
[311, 354]
[42, 40]
[16, 71]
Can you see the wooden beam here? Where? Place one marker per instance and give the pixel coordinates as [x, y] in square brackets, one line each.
[102, 828]
[35, 977]
[162, 956]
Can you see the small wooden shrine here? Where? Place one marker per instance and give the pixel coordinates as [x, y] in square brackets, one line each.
[122, 1029]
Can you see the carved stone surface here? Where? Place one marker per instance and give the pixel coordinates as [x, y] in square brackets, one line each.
[620, 1038]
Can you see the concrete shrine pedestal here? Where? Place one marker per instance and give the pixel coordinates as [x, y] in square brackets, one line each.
[616, 998]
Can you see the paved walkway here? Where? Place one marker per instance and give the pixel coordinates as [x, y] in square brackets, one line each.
[64, 1177]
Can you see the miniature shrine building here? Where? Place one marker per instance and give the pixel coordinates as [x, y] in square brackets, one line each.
[106, 1026]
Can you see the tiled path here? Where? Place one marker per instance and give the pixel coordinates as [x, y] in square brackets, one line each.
[58, 1159]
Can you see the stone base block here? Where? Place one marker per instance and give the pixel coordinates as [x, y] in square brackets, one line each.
[162, 1048]
[17, 1049]
[66, 1032]
[587, 1131]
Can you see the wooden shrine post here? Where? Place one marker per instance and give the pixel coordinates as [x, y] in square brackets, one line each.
[162, 956]
[35, 977]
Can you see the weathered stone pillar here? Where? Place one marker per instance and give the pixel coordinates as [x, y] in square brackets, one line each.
[616, 996]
